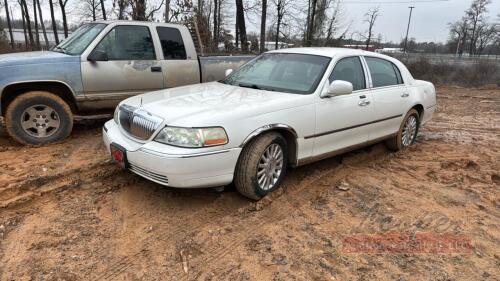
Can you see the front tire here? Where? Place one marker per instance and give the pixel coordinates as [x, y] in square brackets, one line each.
[262, 166]
[407, 134]
[38, 117]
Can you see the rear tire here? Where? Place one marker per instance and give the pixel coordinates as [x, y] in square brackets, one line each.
[254, 175]
[38, 117]
[407, 134]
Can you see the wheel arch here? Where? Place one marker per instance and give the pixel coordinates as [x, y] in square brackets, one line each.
[58, 88]
[286, 131]
[420, 109]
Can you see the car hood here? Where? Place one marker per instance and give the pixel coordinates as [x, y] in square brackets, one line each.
[211, 103]
[42, 57]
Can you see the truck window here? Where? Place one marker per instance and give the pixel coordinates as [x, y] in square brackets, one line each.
[128, 42]
[171, 43]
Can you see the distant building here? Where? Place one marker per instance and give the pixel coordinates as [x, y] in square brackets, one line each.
[389, 50]
[370, 48]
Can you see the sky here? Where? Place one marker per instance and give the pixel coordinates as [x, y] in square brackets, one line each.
[429, 19]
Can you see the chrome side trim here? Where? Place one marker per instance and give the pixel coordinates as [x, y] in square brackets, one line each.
[176, 156]
[311, 159]
[268, 128]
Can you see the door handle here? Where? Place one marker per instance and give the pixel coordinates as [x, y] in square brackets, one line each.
[405, 94]
[363, 103]
[155, 68]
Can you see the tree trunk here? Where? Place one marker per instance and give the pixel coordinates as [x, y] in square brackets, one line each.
[263, 27]
[9, 24]
[237, 35]
[216, 35]
[37, 35]
[28, 23]
[24, 26]
[103, 10]
[167, 11]
[277, 32]
[310, 24]
[42, 23]
[139, 10]
[62, 5]
[54, 25]
[240, 18]
[93, 12]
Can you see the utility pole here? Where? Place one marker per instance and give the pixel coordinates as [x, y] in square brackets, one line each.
[408, 28]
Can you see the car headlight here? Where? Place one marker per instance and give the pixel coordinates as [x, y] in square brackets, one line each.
[192, 137]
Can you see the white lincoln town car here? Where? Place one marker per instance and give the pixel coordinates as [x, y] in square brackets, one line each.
[283, 109]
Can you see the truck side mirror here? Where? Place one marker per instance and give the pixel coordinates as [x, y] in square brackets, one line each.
[228, 72]
[98, 56]
[339, 88]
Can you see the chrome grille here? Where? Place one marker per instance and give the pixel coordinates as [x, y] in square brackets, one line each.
[138, 122]
[148, 174]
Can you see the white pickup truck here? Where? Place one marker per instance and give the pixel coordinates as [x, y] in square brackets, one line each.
[101, 64]
[284, 108]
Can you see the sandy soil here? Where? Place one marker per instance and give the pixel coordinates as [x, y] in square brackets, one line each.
[67, 213]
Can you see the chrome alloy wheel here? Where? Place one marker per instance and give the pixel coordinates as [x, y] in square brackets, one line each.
[270, 166]
[409, 131]
[40, 121]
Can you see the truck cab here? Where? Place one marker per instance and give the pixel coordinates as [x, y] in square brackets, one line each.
[95, 68]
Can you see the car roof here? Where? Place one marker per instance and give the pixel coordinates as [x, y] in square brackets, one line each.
[328, 51]
[134, 22]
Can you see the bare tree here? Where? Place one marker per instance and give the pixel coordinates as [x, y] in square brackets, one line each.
[240, 19]
[42, 24]
[263, 27]
[26, 16]
[103, 10]
[458, 32]
[139, 10]
[37, 35]
[120, 6]
[9, 23]
[91, 8]
[370, 18]
[476, 14]
[54, 24]
[62, 5]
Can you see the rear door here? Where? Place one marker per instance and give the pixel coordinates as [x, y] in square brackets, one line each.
[343, 121]
[132, 67]
[180, 67]
[390, 97]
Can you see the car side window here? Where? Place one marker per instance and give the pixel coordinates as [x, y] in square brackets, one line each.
[128, 42]
[171, 43]
[383, 72]
[351, 70]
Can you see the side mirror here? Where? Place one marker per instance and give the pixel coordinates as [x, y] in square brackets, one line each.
[339, 88]
[228, 71]
[98, 56]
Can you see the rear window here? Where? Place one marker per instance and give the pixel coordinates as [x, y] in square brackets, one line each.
[171, 43]
[383, 72]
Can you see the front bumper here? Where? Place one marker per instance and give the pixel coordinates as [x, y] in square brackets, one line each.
[172, 166]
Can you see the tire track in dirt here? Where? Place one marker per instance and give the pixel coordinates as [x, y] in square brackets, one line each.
[279, 209]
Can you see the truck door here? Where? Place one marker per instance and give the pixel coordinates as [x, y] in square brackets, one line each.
[180, 62]
[128, 64]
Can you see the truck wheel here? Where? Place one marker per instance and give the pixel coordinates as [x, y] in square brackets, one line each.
[262, 166]
[38, 117]
[407, 134]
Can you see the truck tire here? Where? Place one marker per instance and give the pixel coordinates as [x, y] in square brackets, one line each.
[407, 134]
[38, 117]
[262, 166]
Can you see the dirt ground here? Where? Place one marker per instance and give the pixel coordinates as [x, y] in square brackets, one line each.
[67, 213]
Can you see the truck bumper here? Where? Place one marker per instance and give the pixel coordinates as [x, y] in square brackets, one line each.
[196, 170]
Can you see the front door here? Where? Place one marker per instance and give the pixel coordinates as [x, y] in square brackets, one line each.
[132, 67]
[342, 121]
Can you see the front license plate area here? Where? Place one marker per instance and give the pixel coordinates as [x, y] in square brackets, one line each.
[119, 155]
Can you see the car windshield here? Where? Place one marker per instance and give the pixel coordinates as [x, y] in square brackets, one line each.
[80, 39]
[283, 72]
